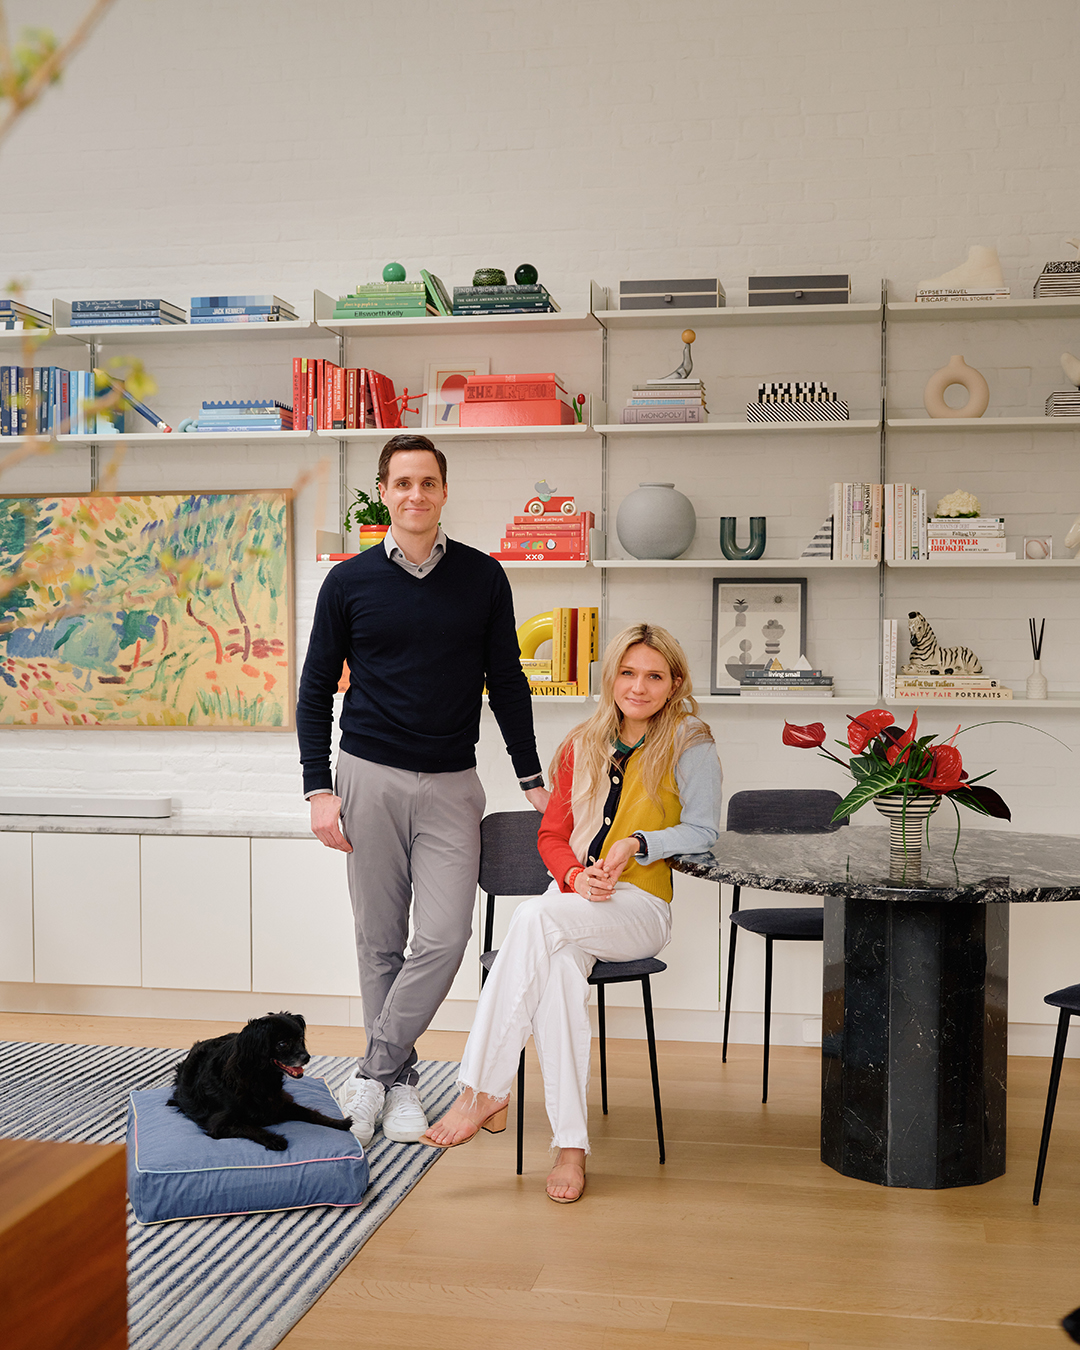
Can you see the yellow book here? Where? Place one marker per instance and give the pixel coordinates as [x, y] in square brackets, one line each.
[561, 645]
[588, 644]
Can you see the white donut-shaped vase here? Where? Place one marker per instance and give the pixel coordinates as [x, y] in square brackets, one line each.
[956, 372]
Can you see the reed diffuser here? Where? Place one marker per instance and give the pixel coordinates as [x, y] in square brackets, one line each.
[1036, 681]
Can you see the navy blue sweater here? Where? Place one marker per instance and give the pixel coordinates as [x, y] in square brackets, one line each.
[420, 650]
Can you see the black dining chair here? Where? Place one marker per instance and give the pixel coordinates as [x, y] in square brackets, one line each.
[511, 865]
[775, 811]
[1068, 1001]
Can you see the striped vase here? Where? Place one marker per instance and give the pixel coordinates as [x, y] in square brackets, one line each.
[907, 816]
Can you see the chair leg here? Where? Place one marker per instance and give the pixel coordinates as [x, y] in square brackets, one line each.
[601, 1018]
[1051, 1099]
[733, 934]
[768, 1020]
[650, 1032]
[489, 934]
[521, 1112]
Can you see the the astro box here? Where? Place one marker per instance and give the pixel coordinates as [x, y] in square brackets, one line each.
[705, 293]
[828, 290]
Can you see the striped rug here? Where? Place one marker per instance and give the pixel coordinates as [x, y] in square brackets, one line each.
[209, 1284]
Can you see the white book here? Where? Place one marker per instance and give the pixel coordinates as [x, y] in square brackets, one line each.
[923, 549]
[889, 523]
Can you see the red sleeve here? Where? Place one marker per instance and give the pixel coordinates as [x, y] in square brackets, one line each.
[557, 825]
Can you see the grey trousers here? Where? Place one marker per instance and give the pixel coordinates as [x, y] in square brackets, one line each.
[416, 845]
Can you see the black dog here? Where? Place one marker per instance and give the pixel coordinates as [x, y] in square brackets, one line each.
[232, 1086]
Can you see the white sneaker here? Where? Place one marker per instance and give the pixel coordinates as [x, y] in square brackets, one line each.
[403, 1118]
[362, 1098]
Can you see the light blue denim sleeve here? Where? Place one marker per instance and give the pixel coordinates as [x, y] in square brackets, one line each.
[700, 781]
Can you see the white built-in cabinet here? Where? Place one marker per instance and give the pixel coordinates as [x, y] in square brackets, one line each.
[86, 909]
[16, 907]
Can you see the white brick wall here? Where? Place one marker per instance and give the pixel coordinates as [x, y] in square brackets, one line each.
[260, 146]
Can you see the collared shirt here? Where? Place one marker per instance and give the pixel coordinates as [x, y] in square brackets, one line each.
[422, 569]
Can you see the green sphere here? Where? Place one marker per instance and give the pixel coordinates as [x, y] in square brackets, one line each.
[526, 275]
[393, 272]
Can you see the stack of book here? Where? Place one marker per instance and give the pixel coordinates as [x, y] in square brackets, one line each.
[796, 401]
[905, 523]
[551, 537]
[124, 313]
[666, 401]
[955, 535]
[58, 399]
[776, 682]
[931, 688]
[395, 299]
[328, 397]
[503, 300]
[537, 400]
[857, 515]
[14, 315]
[1064, 405]
[575, 645]
[1058, 279]
[246, 415]
[950, 295]
[241, 309]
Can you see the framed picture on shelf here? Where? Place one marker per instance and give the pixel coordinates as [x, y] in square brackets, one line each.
[755, 620]
[444, 385]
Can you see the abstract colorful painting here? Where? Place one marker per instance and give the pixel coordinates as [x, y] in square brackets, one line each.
[146, 611]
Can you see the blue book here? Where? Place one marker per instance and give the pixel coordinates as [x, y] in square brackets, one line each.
[95, 306]
[115, 321]
[232, 301]
[243, 318]
[205, 310]
[211, 405]
[275, 425]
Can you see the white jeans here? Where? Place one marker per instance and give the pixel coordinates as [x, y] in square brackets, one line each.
[539, 984]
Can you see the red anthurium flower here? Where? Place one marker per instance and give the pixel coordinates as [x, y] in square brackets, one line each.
[805, 738]
[862, 729]
[901, 743]
[946, 771]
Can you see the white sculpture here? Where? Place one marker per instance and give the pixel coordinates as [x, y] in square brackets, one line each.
[956, 372]
[958, 503]
[1072, 539]
[1071, 366]
[981, 272]
[927, 658]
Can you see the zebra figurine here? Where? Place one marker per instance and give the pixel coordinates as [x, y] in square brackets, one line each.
[927, 658]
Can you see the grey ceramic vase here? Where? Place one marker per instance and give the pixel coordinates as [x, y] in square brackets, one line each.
[656, 522]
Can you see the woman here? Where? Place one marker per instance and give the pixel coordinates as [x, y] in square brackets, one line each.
[635, 784]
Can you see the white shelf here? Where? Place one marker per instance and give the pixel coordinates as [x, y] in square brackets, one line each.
[159, 437]
[1050, 308]
[739, 565]
[739, 316]
[580, 431]
[837, 701]
[11, 340]
[738, 428]
[930, 424]
[1032, 564]
[292, 331]
[1017, 701]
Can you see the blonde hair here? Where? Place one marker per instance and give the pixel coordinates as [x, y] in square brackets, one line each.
[670, 731]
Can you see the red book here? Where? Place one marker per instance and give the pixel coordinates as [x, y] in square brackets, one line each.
[365, 416]
[310, 404]
[337, 399]
[492, 390]
[296, 367]
[514, 552]
[556, 524]
[373, 378]
[350, 398]
[387, 412]
[540, 412]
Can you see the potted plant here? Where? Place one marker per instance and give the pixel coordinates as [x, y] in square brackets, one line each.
[369, 516]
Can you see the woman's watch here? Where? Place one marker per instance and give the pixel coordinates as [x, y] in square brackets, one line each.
[537, 781]
[643, 851]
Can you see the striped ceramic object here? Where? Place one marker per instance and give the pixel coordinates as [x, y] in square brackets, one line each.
[907, 815]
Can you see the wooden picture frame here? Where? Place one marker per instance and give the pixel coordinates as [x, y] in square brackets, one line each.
[444, 387]
[754, 620]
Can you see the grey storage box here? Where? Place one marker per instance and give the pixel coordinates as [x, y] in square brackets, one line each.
[700, 294]
[830, 290]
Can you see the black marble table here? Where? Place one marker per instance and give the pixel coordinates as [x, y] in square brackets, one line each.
[915, 1005]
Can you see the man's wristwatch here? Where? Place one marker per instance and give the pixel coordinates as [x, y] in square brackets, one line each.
[537, 781]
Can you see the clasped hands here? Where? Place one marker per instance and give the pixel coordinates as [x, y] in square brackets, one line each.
[597, 881]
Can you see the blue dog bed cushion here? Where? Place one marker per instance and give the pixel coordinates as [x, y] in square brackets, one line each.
[175, 1171]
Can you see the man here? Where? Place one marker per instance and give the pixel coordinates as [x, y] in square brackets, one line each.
[424, 623]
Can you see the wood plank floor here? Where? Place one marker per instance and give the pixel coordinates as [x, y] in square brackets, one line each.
[743, 1241]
